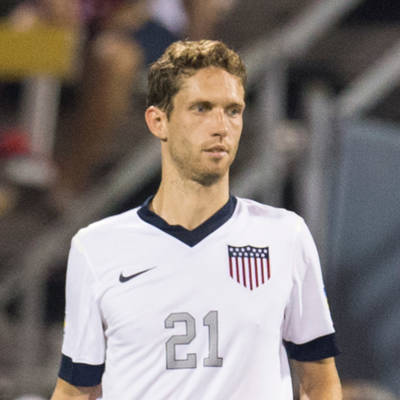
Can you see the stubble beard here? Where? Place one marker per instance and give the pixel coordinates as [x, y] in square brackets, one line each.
[201, 174]
[207, 179]
[193, 170]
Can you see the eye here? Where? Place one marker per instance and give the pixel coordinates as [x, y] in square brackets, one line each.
[201, 107]
[234, 111]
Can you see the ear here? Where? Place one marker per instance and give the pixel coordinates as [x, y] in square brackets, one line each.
[156, 122]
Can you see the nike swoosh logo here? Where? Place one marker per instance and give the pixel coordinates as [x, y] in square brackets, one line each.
[124, 279]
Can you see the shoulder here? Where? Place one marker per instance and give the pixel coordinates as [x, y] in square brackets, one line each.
[108, 226]
[266, 213]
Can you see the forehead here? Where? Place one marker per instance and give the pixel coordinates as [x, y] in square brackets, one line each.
[212, 82]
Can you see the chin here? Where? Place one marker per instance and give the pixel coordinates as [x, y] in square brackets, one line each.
[209, 178]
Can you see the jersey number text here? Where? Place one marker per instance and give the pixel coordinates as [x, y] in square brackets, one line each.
[210, 321]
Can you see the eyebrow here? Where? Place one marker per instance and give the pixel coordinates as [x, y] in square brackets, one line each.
[210, 104]
[202, 102]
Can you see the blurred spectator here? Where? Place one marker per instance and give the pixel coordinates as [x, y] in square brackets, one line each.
[20, 163]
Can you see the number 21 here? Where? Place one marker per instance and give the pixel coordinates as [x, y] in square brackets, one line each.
[211, 321]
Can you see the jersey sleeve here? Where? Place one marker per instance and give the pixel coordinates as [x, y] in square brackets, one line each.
[308, 331]
[83, 350]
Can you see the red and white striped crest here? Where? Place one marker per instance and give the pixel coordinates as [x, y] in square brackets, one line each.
[249, 266]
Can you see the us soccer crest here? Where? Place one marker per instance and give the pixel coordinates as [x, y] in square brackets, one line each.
[249, 266]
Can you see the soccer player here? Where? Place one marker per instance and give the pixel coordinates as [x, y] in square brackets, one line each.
[196, 294]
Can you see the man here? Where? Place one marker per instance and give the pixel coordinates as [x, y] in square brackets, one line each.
[196, 294]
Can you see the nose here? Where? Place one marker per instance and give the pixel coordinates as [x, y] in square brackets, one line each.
[220, 127]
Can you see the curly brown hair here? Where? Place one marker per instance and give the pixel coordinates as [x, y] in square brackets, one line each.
[183, 59]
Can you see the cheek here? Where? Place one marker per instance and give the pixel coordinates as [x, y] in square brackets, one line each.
[236, 129]
[181, 142]
[189, 135]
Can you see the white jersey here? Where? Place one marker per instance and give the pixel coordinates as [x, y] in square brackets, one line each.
[155, 311]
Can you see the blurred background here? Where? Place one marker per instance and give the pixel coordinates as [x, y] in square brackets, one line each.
[321, 137]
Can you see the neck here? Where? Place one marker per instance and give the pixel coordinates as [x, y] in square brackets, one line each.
[188, 203]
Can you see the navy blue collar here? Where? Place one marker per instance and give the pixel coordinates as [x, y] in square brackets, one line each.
[189, 237]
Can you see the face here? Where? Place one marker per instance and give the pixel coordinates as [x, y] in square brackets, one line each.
[203, 131]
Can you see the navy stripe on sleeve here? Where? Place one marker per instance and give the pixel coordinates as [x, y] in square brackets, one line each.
[78, 374]
[317, 349]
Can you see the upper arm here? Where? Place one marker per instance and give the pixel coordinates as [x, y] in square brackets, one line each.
[83, 349]
[308, 330]
[318, 378]
[66, 391]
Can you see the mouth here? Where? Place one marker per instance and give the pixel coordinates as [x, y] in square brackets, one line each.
[217, 150]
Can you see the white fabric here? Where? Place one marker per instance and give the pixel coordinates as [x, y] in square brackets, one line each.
[124, 324]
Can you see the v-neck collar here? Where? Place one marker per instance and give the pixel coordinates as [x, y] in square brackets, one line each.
[189, 237]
